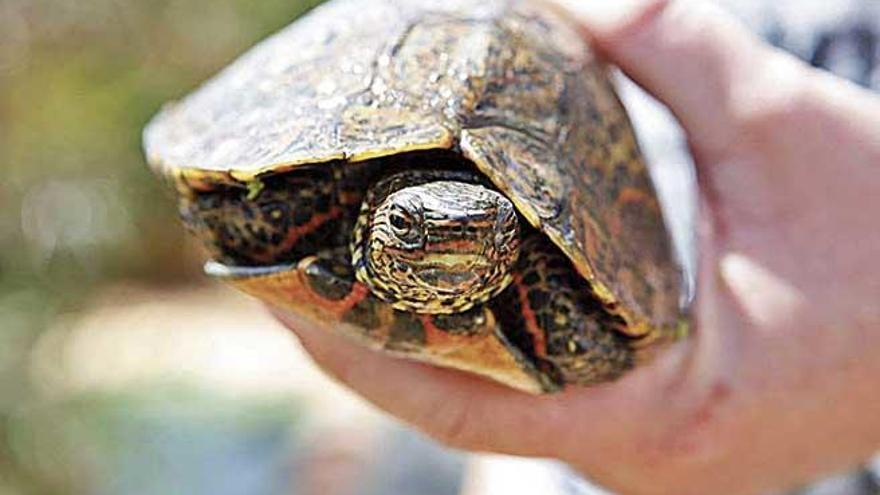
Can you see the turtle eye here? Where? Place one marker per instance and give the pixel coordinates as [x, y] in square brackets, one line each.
[405, 225]
[400, 222]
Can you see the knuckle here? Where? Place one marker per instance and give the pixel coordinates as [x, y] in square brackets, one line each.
[759, 110]
[771, 103]
[639, 22]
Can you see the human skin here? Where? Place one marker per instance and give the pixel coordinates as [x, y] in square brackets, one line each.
[778, 384]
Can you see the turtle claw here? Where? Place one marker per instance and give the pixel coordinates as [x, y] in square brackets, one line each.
[231, 272]
[329, 277]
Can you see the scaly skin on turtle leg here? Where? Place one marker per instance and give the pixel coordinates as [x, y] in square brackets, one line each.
[323, 289]
[548, 312]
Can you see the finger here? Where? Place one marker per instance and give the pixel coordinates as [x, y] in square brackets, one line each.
[456, 408]
[705, 66]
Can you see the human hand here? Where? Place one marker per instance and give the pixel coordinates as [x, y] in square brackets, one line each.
[777, 384]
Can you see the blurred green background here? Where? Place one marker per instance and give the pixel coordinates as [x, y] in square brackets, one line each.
[82, 221]
[78, 81]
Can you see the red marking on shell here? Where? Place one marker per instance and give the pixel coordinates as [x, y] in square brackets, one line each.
[296, 233]
[539, 340]
[441, 340]
[312, 225]
[433, 335]
[358, 292]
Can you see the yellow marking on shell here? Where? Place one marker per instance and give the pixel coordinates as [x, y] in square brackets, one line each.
[245, 176]
[638, 329]
[443, 141]
[452, 259]
[683, 329]
[651, 343]
[254, 188]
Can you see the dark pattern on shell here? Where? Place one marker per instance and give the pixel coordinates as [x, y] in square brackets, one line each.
[468, 322]
[407, 333]
[288, 217]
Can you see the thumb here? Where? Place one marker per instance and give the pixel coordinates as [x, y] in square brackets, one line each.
[707, 68]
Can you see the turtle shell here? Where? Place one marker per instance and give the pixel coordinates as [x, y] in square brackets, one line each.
[510, 85]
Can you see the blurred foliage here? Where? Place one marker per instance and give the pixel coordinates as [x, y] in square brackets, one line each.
[79, 80]
[78, 206]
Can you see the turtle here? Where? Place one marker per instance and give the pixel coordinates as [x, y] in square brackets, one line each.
[451, 181]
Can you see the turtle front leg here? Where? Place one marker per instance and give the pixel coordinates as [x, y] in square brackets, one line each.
[549, 314]
[323, 289]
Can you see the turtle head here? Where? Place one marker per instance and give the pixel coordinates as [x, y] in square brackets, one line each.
[438, 247]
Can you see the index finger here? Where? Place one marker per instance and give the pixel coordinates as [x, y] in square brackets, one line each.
[703, 64]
